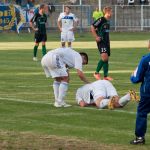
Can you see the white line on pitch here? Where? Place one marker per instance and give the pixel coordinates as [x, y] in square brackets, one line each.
[37, 102]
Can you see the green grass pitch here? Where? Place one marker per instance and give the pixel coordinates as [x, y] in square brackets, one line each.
[28, 119]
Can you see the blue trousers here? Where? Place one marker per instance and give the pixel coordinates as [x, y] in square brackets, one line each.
[141, 118]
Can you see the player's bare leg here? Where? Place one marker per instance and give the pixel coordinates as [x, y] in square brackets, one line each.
[35, 52]
[63, 44]
[69, 44]
[116, 102]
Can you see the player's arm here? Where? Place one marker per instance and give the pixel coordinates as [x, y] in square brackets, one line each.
[75, 22]
[32, 22]
[94, 27]
[59, 23]
[82, 76]
[138, 75]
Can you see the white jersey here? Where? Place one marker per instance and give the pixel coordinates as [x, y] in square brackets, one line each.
[100, 88]
[68, 56]
[67, 21]
[83, 93]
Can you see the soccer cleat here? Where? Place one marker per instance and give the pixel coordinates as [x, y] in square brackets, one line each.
[133, 96]
[58, 105]
[111, 103]
[63, 104]
[108, 78]
[66, 105]
[97, 76]
[138, 140]
[35, 59]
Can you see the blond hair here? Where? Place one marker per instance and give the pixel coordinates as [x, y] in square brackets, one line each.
[107, 9]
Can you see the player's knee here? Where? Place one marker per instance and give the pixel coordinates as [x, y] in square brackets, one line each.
[104, 57]
[63, 44]
[43, 44]
[36, 44]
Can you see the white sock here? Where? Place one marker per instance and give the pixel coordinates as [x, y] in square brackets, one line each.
[62, 91]
[104, 103]
[124, 100]
[56, 85]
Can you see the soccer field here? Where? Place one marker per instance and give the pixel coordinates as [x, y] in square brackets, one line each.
[28, 119]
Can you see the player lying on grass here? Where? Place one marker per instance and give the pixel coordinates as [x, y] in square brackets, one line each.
[56, 63]
[103, 94]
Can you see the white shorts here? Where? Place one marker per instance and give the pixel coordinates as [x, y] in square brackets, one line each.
[67, 36]
[53, 66]
[103, 88]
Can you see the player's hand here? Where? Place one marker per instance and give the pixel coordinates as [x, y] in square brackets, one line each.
[36, 29]
[98, 39]
[73, 29]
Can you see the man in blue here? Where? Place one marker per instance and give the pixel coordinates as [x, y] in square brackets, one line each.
[142, 74]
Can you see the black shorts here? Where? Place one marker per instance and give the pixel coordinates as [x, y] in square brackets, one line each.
[40, 37]
[103, 48]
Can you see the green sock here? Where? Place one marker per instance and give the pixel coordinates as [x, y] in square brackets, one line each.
[99, 66]
[35, 50]
[105, 68]
[43, 50]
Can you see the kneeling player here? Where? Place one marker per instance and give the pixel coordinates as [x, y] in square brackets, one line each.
[103, 94]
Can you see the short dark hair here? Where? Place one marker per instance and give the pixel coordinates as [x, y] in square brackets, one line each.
[85, 56]
[42, 6]
[68, 6]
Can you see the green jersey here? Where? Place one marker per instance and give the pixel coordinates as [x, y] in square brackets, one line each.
[102, 27]
[40, 22]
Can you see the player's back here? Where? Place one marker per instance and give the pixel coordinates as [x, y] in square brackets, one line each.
[69, 56]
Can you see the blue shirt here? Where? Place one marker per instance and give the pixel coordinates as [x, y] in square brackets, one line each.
[142, 74]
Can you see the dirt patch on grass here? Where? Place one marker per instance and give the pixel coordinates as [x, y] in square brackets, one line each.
[30, 141]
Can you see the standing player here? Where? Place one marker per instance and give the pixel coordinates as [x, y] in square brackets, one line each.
[38, 24]
[56, 63]
[142, 74]
[67, 23]
[103, 94]
[100, 30]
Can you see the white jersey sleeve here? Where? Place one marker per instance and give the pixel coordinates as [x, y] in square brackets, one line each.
[83, 94]
[78, 62]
